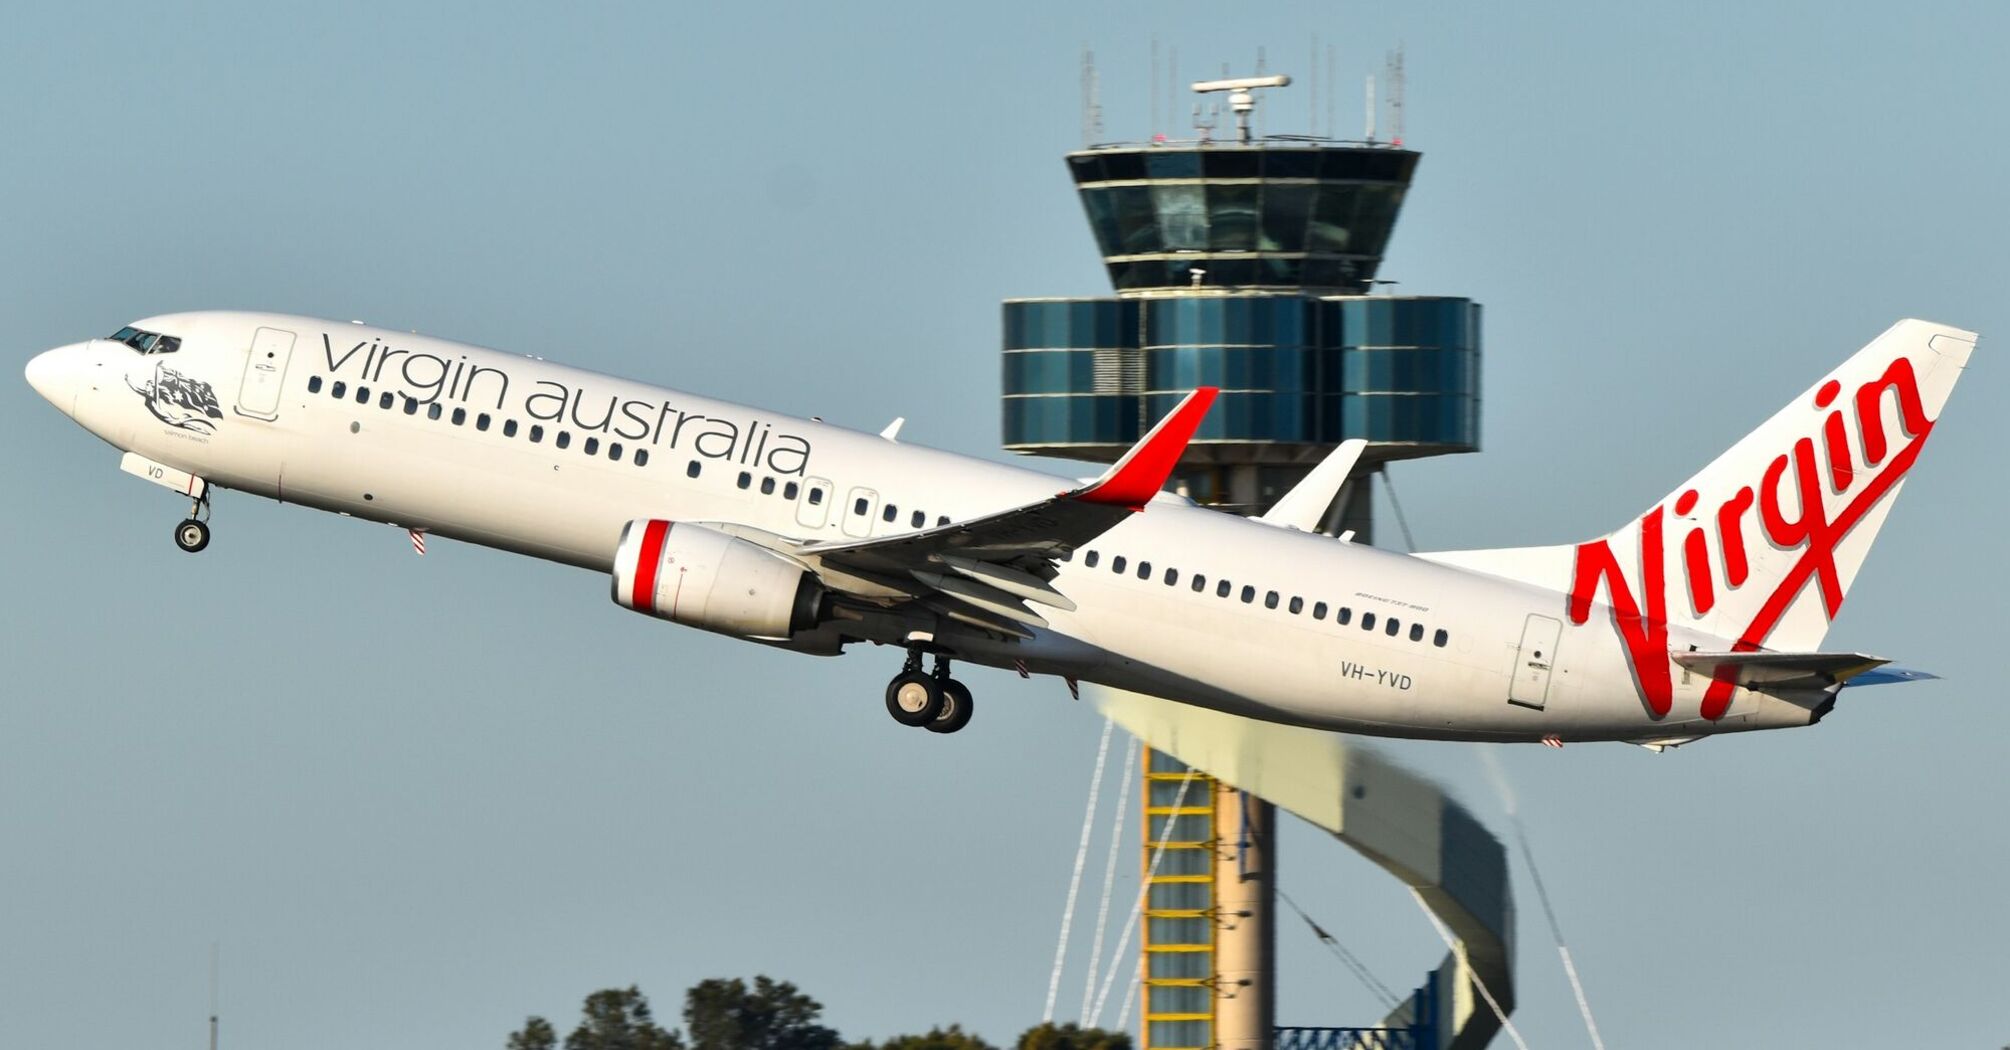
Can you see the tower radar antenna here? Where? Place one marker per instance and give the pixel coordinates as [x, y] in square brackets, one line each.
[1241, 97]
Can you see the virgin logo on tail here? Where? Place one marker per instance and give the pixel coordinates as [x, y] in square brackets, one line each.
[1805, 502]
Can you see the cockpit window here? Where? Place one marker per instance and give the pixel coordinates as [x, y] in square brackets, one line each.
[147, 342]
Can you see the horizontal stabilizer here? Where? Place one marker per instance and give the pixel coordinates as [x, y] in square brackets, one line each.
[1760, 670]
[1307, 502]
[1889, 675]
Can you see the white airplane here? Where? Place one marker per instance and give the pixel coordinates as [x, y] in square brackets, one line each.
[1701, 616]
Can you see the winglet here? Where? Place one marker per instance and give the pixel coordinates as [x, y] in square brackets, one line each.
[1308, 501]
[1133, 480]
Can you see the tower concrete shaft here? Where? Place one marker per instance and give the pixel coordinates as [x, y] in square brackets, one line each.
[1245, 946]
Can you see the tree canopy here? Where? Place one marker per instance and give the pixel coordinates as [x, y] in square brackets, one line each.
[938, 1038]
[729, 1014]
[1072, 1036]
[772, 1015]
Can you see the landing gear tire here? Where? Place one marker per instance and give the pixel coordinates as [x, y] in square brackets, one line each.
[914, 699]
[956, 707]
[191, 535]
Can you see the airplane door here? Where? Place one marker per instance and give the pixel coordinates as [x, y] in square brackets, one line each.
[815, 503]
[264, 372]
[858, 511]
[1533, 661]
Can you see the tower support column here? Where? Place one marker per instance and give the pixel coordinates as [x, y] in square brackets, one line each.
[1246, 938]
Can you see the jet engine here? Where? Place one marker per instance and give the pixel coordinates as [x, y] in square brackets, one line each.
[704, 578]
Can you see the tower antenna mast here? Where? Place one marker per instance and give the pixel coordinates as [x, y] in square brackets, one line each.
[1396, 95]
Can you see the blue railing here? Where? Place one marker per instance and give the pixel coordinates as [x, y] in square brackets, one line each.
[1348, 1039]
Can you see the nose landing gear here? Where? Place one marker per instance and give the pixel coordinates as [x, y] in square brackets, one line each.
[934, 700]
[192, 535]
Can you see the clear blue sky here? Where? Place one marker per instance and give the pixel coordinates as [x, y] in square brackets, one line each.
[418, 799]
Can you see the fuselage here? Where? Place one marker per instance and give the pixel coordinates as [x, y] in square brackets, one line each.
[527, 456]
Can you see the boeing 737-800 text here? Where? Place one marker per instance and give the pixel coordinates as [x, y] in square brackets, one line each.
[1701, 616]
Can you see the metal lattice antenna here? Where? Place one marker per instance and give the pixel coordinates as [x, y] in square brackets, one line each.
[1396, 95]
[1154, 92]
[1312, 96]
[1332, 96]
[1172, 86]
[1092, 110]
[1371, 108]
[213, 952]
[1262, 67]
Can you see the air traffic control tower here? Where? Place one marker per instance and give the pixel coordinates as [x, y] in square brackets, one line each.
[1250, 264]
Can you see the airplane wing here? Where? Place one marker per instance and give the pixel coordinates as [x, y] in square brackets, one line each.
[984, 570]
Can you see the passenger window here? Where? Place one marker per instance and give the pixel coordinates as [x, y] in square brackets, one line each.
[1416, 632]
[362, 395]
[614, 451]
[641, 457]
[1367, 621]
[338, 389]
[1439, 639]
[536, 433]
[563, 440]
[1091, 558]
[434, 411]
[411, 406]
[1343, 616]
[1270, 600]
[1199, 583]
[918, 520]
[1394, 625]
[592, 446]
[1117, 565]
[745, 479]
[482, 421]
[1248, 594]
[1222, 588]
[1319, 610]
[1297, 605]
[767, 486]
[314, 384]
[384, 400]
[509, 428]
[691, 469]
[789, 493]
[941, 521]
[1172, 577]
[1144, 570]
[460, 416]
[1065, 555]
[858, 506]
[891, 512]
[816, 496]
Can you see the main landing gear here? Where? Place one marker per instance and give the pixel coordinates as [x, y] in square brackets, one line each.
[933, 700]
[192, 534]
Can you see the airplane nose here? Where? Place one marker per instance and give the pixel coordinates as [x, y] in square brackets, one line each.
[48, 372]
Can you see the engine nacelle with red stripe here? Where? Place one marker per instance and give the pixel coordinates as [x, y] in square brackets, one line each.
[704, 578]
